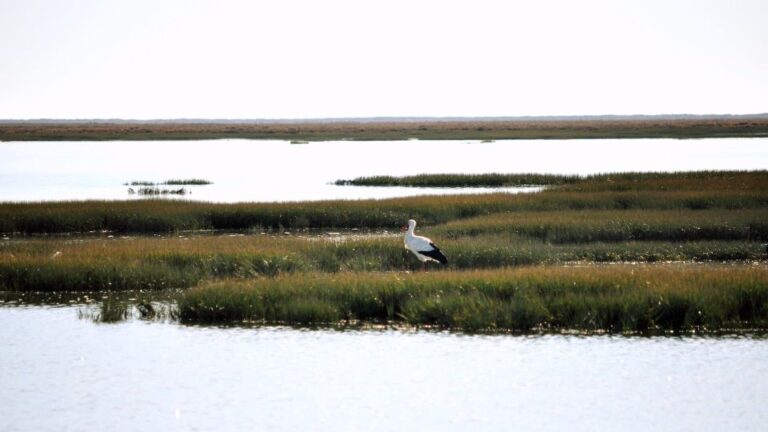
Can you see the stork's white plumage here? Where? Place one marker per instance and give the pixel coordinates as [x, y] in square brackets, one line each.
[424, 248]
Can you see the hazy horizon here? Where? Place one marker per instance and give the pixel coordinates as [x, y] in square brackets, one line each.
[233, 59]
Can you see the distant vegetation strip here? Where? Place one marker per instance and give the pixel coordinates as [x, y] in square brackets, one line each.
[152, 191]
[172, 182]
[146, 216]
[460, 180]
[633, 299]
[728, 190]
[428, 129]
[193, 181]
[618, 181]
[585, 226]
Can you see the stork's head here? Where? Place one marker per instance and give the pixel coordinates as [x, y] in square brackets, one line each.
[411, 225]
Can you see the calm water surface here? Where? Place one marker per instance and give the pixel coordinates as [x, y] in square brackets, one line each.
[246, 170]
[62, 373]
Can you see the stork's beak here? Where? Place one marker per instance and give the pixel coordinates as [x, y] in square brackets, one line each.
[404, 228]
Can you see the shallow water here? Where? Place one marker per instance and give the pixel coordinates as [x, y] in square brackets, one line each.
[59, 372]
[247, 170]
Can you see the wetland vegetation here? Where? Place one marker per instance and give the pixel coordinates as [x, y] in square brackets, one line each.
[622, 181]
[687, 250]
[461, 180]
[615, 299]
[727, 190]
[152, 191]
[172, 182]
[151, 188]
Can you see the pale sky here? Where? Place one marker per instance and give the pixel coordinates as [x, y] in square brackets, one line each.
[147, 59]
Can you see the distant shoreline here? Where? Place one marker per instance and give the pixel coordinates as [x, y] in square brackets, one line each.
[367, 129]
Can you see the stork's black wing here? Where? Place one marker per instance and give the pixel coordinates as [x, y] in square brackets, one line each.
[435, 254]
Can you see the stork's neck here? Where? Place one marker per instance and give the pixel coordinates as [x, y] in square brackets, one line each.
[410, 229]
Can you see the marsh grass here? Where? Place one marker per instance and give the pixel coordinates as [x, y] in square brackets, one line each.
[619, 181]
[138, 216]
[171, 182]
[672, 181]
[96, 275]
[731, 190]
[633, 299]
[157, 191]
[192, 181]
[461, 180]
[492, 241]
[587, 226]
[155, 263]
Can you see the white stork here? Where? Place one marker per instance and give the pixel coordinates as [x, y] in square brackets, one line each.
[424, 249]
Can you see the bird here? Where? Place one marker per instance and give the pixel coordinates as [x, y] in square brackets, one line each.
[424, 249]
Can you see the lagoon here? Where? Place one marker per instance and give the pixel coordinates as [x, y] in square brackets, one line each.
[268, 171]
[59, 370]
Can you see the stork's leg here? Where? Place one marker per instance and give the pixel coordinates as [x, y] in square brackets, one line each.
[424, 266]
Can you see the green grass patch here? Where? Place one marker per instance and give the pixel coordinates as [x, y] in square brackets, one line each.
[614, 299]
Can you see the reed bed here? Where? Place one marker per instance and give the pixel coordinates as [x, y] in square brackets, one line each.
[732, 190]
[281, 267]
[586, 226]
[462, 180]
[184, 182]
[99, 264]
[167, 216]
[673, 181]
[619, 181]
[171, 182]
[152, 191]
[637, 299]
